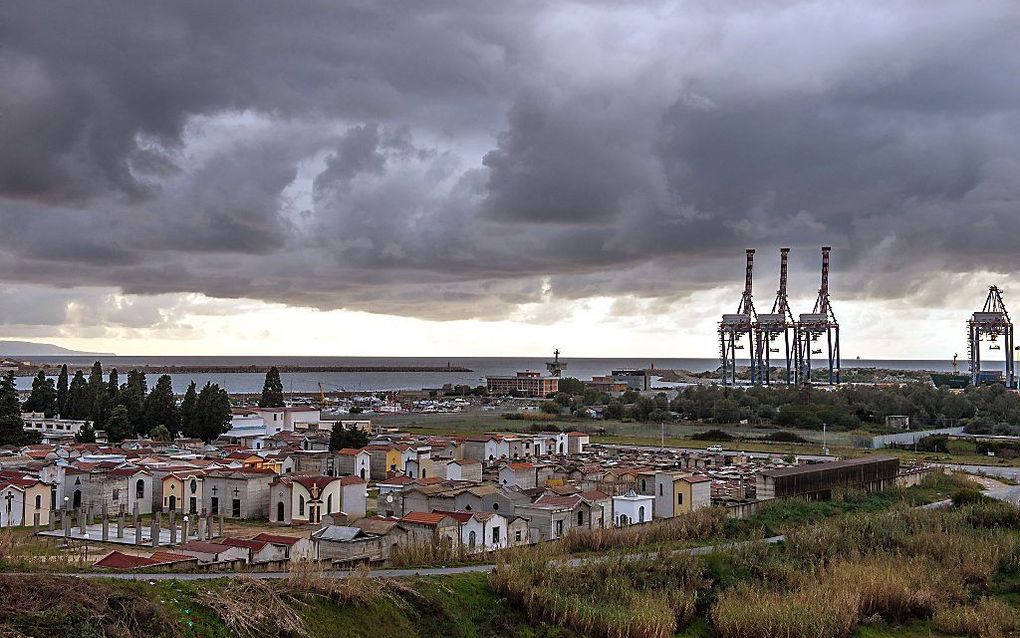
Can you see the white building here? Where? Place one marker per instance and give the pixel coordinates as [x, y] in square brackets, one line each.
[53, 430]
[480, 531]
[632, 509]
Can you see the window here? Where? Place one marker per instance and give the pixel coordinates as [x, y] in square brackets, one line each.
[680, 498]
[193, 486]
[641, 514]
[644, 487]
[301, 506]
[660, 489]
[495, 507]
[38, 502]
[517, 536]
[329, 504]
[116, 494]
[495, 535]
[580, 519]
[472, 539]
[140, 489]
[559, 529]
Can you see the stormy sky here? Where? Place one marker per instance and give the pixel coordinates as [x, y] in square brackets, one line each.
[500, 177]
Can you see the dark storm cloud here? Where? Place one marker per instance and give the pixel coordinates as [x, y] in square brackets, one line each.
[455, 159]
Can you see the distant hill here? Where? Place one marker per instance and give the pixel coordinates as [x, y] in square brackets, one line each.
[30, 349]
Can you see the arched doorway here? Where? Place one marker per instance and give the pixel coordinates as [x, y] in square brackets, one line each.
[623, 520]
[472, 539]
[172, 503]
[361, 473]
[279, 511]
[641, 515]
[76, 499]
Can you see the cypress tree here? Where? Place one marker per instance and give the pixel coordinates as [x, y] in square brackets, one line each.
[44, 396]
[188, 417]
[272, 390]
[62, 391]
[118, 427]
[9, 403]
[12, 427]
[161, 406]
[77, 405]
[98, 397]
[212, 413]
[132, 397]
[113, 387]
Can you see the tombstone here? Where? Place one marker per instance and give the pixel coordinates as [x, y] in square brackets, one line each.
[35, 523]
[120, 522]
[221, 526]
[53, 520]
[157, 521]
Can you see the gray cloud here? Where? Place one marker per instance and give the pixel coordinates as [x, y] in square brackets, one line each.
[452, 160]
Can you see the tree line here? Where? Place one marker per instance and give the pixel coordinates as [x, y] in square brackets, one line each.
[983, 409]
[123, 410]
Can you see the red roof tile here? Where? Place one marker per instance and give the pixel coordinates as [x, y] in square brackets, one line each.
[276, 539]
[423, 518]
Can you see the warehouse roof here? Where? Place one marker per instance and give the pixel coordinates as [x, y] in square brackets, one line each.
[826, 466]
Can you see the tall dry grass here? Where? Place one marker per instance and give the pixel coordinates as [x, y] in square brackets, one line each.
[429, 554]
[703, 524]
[898, 566]
[251, 607]
[988, 618]
[623, 597]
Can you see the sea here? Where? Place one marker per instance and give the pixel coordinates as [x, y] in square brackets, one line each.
[249, 383]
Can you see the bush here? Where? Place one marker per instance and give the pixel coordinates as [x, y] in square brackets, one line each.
[712, 435]
[967, 496]
[783, 436]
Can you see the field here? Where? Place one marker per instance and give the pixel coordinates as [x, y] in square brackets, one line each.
[675, 435]
[885, 573]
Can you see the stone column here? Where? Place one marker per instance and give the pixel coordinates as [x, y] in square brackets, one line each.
[200, 527]
[221, 525]
[67, 527]
[120, 522]
[138, 527]
[35, 523]
[157, 520]
[185, 530]
[53, 520]
[106, 524]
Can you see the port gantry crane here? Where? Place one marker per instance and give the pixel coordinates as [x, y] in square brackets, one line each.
[733, 328]
[992, 321]
[769, 327]
[812, 326]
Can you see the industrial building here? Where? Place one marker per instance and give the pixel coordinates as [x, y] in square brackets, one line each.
[817, 480]
[527, 383]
